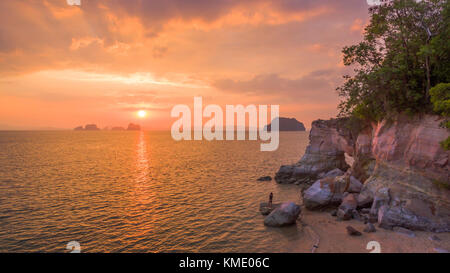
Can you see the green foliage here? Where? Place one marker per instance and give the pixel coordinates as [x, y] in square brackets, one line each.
[404, 52]
[446, 144]
[440, 97]
[442, 184]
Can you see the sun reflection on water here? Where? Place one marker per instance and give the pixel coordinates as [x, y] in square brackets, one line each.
[142, 188]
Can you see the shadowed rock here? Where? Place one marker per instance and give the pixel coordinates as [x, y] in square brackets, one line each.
[264, 178]
[265, 209]
[404, 231]
[320, 196]
[352, 231]
[348, 205]
[284, 215]
[369, 228]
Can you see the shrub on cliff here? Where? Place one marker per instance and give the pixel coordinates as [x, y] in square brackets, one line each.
[404, 52]
[440, 97]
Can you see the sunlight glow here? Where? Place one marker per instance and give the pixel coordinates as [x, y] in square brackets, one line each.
[142, 113]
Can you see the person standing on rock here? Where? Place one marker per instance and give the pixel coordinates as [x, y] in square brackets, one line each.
[270, 200]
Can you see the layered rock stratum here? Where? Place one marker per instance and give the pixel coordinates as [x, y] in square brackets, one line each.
[403, 170]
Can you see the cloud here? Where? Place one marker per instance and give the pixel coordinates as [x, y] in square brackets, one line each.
[314, 86]
[358, 26]
[105, 33]
[99, 56]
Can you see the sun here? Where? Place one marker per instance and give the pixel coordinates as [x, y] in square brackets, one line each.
[142, 113]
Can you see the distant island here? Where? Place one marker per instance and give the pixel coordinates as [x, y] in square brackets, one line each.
[94, 127]
[88, 127]
[133, 127]
[288, 124]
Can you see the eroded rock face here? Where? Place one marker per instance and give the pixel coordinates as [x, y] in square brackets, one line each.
[286, 214]
[328, 143]
[413, 143]
[403, 171]
[413, 168]
[415, 202]
[364, 162]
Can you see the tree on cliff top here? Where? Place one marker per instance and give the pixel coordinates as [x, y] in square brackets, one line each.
[405, 52]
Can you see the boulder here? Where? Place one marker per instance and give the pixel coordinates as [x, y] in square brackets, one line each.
[404, 231]
[317, 197]
[352, 231]
[434, 238]
[381, 198]
[286, 214]
[369, 228]
[265, 209]
[348, 205]
[357, 216]
[265, 178]
[355, 185]
[365, 198]
[400, 216]
[284, 174]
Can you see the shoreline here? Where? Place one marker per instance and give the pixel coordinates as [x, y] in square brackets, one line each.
[334, 237]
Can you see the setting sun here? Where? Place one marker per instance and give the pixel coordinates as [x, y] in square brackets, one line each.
[142, 113]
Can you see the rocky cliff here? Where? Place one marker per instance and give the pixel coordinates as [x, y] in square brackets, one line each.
[328, 143]
[404, 172]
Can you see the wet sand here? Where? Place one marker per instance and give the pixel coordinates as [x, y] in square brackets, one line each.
[334, 238]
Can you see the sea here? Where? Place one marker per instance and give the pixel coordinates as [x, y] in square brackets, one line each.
[140, 191]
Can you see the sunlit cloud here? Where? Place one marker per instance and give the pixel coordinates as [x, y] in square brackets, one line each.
[132, 79]
[113, 58]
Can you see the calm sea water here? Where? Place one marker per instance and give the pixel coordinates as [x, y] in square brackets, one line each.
[140, 192]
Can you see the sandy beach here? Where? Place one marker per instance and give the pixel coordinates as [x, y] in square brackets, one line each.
[334, 238]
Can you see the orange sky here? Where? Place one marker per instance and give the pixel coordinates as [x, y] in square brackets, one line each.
[62, 66]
